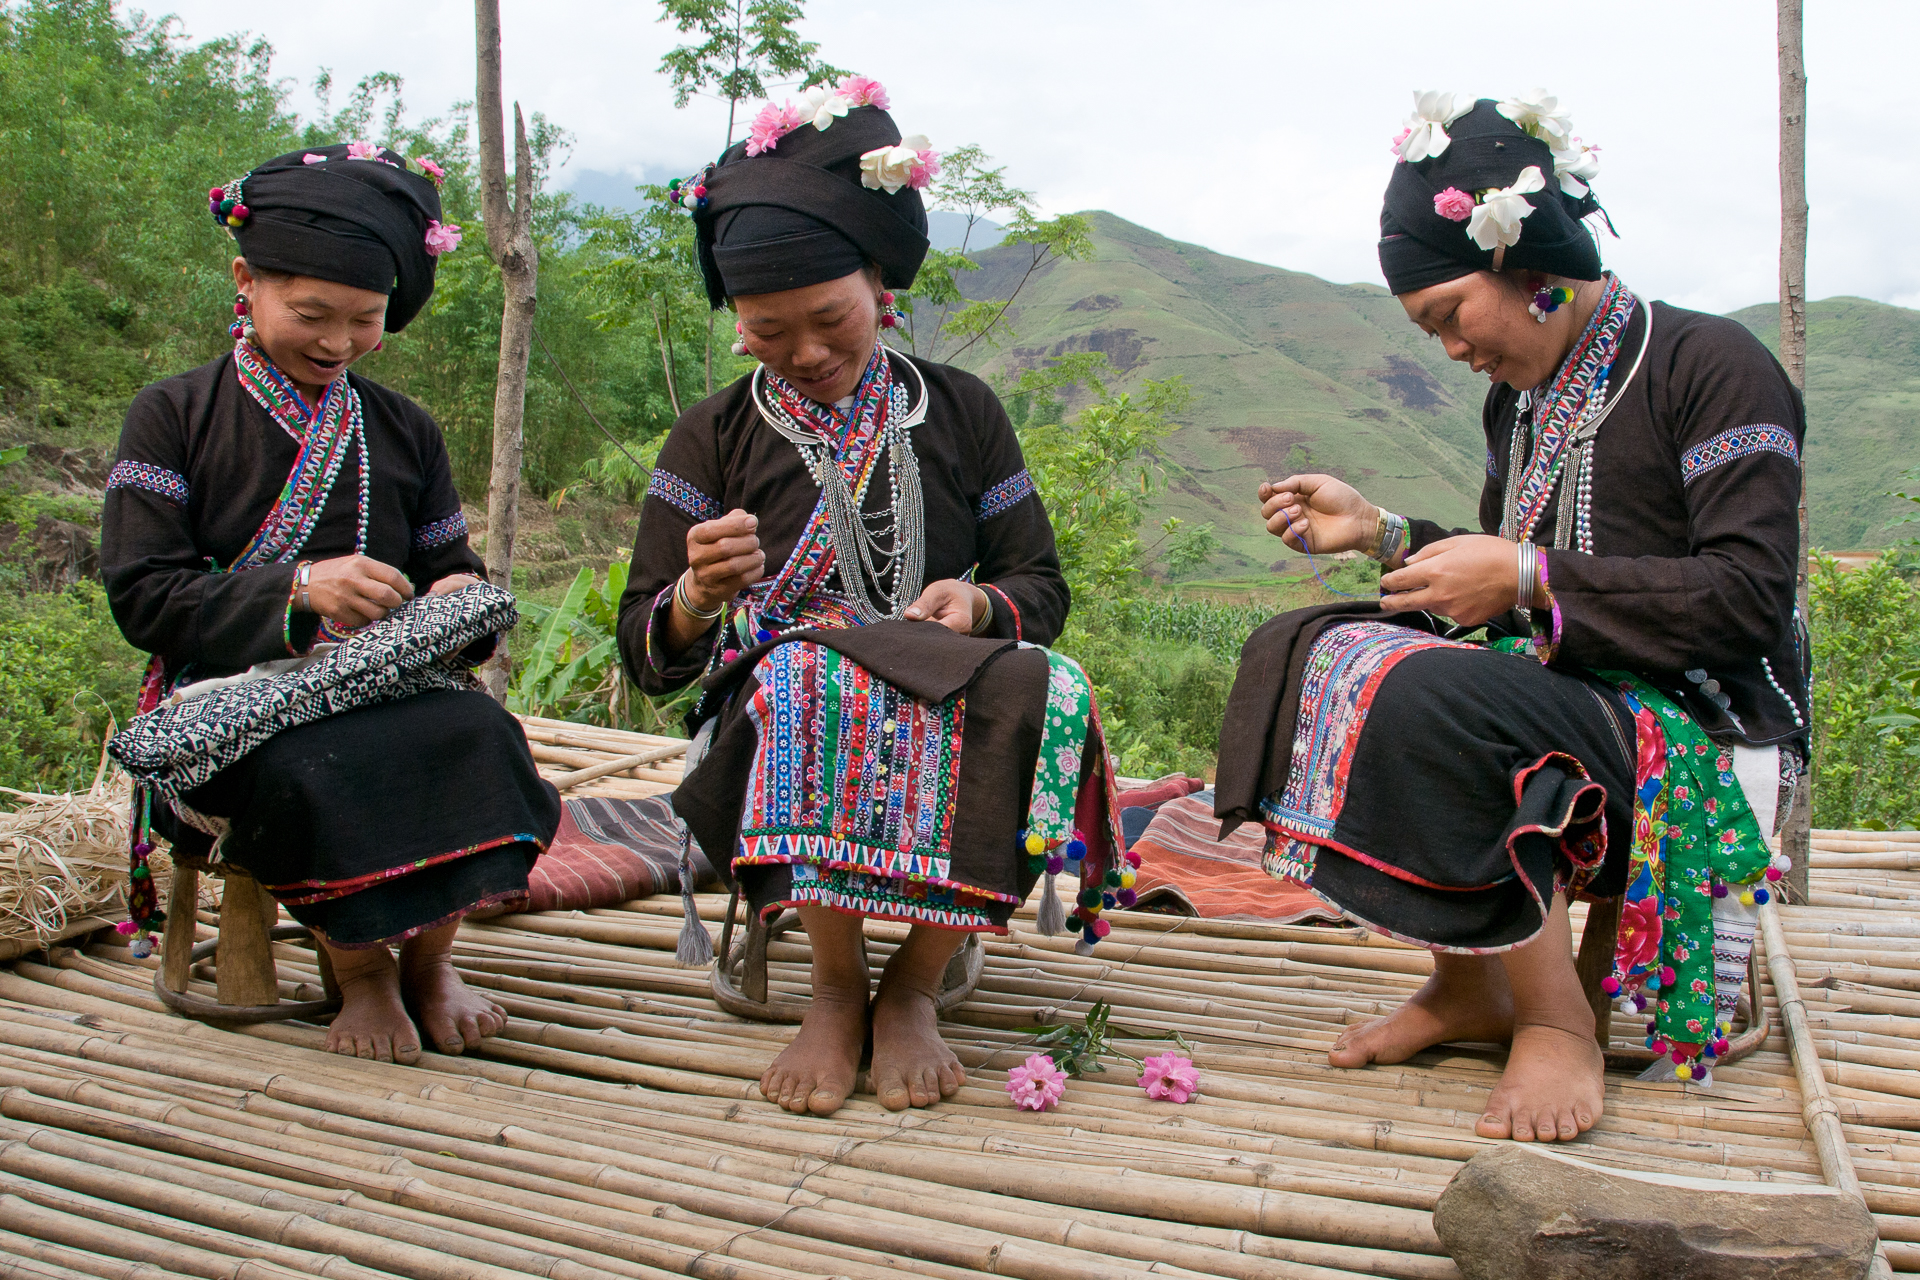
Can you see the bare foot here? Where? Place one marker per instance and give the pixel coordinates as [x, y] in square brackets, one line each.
[816, 1071]
[372, 1022]
[453, 1016]
[1552, 1088]
[912, 1065]
[1467, 998]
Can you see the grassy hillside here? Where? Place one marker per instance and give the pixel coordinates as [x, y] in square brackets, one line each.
[1863, 411]
[1290, 372]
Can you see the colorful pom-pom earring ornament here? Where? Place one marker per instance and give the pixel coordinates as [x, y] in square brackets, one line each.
[242, 327]
[1548, 300]
[889, 314]
[740, 340]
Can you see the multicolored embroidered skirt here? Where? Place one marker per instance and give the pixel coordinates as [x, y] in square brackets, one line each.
[1440, 792]
[866, 800]
[380, 823]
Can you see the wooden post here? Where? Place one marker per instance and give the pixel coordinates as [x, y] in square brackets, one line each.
[176, 953]
[510, 244]
[1795, 836]
[244, 958]
[1595, 963]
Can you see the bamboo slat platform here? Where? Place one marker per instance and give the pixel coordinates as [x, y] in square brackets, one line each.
[614, 1130]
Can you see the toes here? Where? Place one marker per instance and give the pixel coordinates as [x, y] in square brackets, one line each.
[383, 1048]
[893, 1092]
[1569, 1130]
[470, 1031]
[363, 1046]
[952, 1076]
[1494, 1124]
[824, 1101]
[406, 1051]
[926, 1088]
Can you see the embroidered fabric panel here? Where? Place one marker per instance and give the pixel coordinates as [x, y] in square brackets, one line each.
[440, 532]
[674, 491]
[1005, 496]
[1343, 673]
[1740, 442]
[144, 475]
[851, 773]
[890, 898]
[326, 435]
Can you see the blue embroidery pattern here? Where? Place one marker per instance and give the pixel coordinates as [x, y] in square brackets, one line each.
[1003, 497]
[674, 491]
[144, 475]
[440, 531]
[1758, 437]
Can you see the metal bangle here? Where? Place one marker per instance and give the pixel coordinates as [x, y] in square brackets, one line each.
[986, 619]
[685, 602]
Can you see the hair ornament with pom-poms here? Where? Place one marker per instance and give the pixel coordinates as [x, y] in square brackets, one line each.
[143, 899]
[227, 204]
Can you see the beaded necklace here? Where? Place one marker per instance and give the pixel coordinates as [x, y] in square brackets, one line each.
[1577, 397]
[879, 554]
[325, 433]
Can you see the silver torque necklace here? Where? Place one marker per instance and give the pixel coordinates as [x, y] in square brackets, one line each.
[869, 547]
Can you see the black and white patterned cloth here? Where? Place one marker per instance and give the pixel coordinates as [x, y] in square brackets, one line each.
[416, 648]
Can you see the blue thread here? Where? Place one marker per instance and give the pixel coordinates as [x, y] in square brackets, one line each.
[1300, 531]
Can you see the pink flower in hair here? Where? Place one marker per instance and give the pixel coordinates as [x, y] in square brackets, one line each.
[1453, 204]
[432, 170]
[772, 124]
[442, 237]
[1398, 139]
[362, 151]
[313, 157]
[863, 91]
[926, 168]
[1036, 1084]
[1169, 1077]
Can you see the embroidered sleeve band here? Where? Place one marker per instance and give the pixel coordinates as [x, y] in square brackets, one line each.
[1005, 496]
[676, 492]
[1013, 610]
[440, 532]
[1758, 437]
[144, 475]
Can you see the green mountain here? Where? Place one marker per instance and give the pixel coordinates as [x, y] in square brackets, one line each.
[1291, 372]
[1863, 412]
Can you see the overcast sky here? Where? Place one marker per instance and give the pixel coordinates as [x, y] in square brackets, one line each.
[1255, 127]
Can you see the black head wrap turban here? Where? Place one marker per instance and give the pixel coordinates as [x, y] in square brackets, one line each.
[798, 215]
[1419, 246]
[355, 222]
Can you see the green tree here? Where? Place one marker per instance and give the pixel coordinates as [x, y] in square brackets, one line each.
[745, 45]
[1866, 684]
[969, 187]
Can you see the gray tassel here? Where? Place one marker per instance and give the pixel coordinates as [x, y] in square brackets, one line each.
[1052, 917]
[695, 949]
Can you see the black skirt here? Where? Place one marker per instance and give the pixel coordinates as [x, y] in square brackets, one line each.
[386, 821]
[1439, 792]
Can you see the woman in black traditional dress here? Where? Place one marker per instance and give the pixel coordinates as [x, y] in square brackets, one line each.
[848, 543]
[268, 502]
[1634, 725]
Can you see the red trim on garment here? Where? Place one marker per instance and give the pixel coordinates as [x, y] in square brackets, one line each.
[768, 912]
[327, 890]
[1012, 608]
[512, 896]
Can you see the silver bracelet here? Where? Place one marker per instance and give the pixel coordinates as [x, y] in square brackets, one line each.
[1529, 566]
[986, 619]
[1390, 536]
[686, 603]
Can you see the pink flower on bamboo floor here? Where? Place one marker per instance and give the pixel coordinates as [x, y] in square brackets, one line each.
[362, 151]
[442, 237]
[1453, 204]
[864, 91]
[1169, 1077]
[1036, 1084]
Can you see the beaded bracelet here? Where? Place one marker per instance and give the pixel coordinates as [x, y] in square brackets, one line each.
[1389, 536]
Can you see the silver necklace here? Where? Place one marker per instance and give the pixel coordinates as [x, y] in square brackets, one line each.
[880, 556]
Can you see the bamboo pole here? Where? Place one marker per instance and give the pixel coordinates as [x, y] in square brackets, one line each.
[620, 764]
[1823, 1120]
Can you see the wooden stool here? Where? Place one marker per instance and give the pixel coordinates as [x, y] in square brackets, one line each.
[1595, 964]
[249, 990]
[747, 995]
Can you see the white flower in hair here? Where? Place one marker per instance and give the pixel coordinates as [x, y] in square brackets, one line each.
[891, 168]
[820, 106]
[1539, 114]
[1496, 219]
[1426, 132]
[1576, 165]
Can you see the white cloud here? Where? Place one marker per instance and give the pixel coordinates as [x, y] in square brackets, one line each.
[1255, 127]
